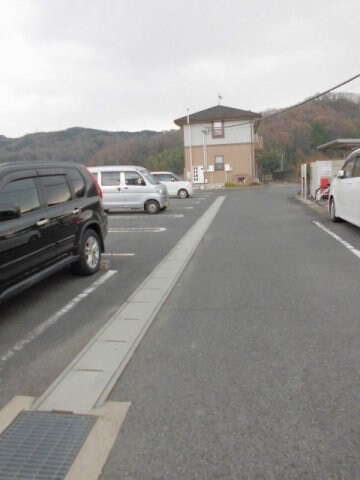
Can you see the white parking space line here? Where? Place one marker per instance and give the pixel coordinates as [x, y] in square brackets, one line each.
[137, 229]
[135, 216]
[117, 254]
[343, 242]
[183, 208]
[40, 329]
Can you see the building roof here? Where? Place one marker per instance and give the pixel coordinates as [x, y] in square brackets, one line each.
[219, 112]
[340, 144]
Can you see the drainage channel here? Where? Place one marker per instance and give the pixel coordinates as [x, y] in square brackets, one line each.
[42, 441]
[42, 445]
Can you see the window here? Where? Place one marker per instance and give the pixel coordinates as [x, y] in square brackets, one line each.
[56, 189]
[356, 172]
[22, 193]
[349, 167]
[218, 129]
[165, 177]
[150, 179]
[110, 179]
[133, 178]
[76, 181]
[219, 162]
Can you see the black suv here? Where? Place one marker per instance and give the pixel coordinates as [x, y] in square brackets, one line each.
[51, 215]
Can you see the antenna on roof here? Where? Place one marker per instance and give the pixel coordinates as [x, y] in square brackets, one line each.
[219, 98]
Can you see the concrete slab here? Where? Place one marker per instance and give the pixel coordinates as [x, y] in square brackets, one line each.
[12, 410]
[92, 457]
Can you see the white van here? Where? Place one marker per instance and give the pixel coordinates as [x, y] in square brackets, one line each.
[130, 187]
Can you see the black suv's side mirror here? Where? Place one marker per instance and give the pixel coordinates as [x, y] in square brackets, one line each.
[9, 212]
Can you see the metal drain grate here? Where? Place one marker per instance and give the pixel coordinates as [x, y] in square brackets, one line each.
[42, 445]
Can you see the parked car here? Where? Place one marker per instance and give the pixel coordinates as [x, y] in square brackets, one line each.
[175, 186]
[344, 195]
[130, 187]
[51, 216]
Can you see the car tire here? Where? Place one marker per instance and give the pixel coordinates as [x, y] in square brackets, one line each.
[332, 211]
[152, 207]
[183, 193]
[90, 254]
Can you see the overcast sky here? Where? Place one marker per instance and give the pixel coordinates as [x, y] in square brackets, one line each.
[131, 65]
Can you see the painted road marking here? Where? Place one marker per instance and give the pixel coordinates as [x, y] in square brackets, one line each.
[40, 329]
[134, 216]
[118, 254]
[184, 208]
[343, 242]
[137, 229]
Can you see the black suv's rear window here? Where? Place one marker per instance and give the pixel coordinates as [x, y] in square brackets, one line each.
[22, 193]
[76, 181]
[56, 189]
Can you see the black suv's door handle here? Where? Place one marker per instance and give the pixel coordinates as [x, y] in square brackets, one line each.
[42, 222]
[76, 211]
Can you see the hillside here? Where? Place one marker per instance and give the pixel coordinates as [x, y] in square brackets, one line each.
[292, 136]
[89, 146]
[295, 135]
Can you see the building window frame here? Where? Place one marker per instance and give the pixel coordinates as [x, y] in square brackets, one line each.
[219, 163]
[217, 129]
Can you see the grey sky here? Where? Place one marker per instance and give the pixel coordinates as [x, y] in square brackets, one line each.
[139, 64]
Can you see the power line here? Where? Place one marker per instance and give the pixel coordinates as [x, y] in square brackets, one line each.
[318, 95]
[312, 98]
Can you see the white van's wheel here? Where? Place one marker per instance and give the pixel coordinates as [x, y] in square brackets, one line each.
[183, 193]
[152, 206]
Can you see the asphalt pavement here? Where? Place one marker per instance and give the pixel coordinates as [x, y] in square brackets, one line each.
[251, 368]
[236, 358]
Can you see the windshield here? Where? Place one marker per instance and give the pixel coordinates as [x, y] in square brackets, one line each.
[149, 178]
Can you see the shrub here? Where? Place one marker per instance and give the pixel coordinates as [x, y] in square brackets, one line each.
[240, 185]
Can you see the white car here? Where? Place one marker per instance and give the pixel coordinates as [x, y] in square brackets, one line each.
[175, 186]
[344, 195]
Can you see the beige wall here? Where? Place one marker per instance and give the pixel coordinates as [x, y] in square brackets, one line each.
[238, 156]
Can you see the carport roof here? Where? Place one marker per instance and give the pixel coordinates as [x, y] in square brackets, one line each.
[345, 144]
[219, 112]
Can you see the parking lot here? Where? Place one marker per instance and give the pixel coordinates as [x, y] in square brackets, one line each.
[44, 327]
[250, 368]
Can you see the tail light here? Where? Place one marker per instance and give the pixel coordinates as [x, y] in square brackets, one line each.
[97, 186]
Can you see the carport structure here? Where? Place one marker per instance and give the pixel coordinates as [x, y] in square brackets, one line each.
[344, 145]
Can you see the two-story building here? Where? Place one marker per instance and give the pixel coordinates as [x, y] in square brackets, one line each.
[219, 145]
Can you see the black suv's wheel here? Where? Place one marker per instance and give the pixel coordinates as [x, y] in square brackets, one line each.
[332, 209]
[152, 206]
[183, 193]
[90, 254]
